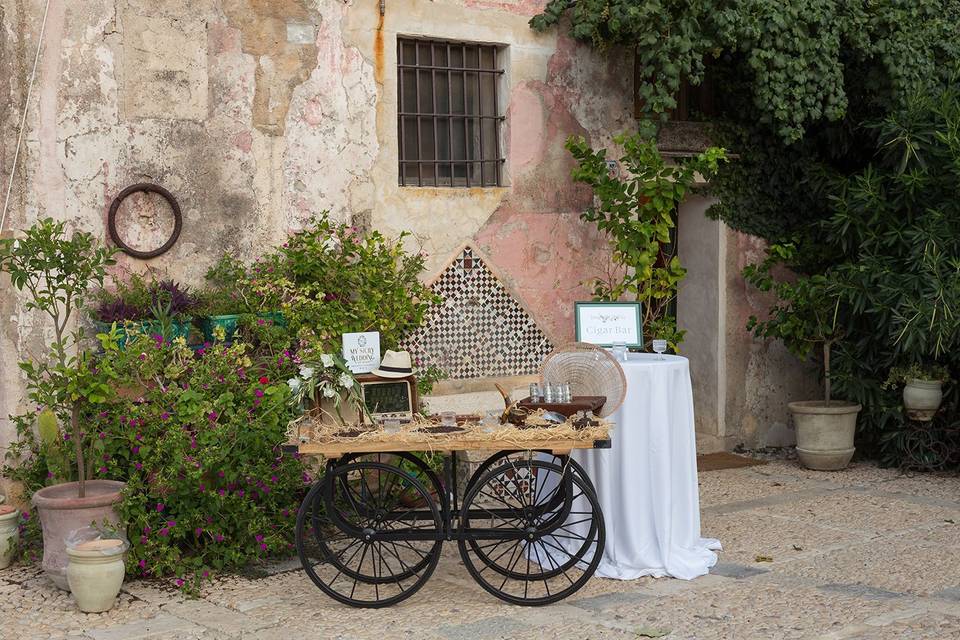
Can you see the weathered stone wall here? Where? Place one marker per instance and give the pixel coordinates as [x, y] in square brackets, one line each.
[258, 114]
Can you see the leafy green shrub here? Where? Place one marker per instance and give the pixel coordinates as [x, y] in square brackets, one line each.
[637, 211]
[332, 279]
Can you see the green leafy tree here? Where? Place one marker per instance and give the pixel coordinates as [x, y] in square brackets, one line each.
[636, 207]
[57, 271]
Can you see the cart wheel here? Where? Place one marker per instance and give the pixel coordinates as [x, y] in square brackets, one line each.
[538, 530]
[358, 540]
[410, 463]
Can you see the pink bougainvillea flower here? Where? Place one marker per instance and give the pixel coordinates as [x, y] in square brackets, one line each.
[212, 416]
[178, 582]
[137, 466]
[263, 546]
[202, 487]
[219, 537]
[146, 528]
[258, 537]
[285, 513]
[103, 414]
[163, 532]
[240, 493]
[143, 540]
[198, 532]
[264, 380]
[258, 393]
[135, 450]
[160, 506]
[143, 564]
[103, 469]
[139, 437]
[206, 574]
[164, 416]
[101, 435]
[220, 473]
[171, 523]
[221, 492]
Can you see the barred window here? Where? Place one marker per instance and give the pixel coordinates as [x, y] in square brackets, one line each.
[449, 114]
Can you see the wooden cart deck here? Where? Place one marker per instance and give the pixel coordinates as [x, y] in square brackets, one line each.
[334, 450]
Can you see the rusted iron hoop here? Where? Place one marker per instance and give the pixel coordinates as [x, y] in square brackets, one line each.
[146, 187]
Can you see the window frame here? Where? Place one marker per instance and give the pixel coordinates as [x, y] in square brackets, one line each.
[479, 169]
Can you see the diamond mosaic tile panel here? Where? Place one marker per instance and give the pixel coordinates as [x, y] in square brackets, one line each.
[479, 330]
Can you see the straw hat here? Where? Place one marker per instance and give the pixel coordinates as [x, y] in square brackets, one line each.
[395, 364]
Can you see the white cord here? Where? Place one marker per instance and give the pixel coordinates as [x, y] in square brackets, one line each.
[23, 118]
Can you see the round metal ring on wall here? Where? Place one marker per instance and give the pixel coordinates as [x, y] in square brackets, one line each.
[147, 188]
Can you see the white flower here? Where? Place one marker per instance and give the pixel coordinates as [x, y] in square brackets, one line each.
[327, 360]
[329, 392]
[345, 380]
[331, 244]
[294, 384]
[306, 372]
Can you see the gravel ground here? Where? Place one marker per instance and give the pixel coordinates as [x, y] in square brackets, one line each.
[863, 553]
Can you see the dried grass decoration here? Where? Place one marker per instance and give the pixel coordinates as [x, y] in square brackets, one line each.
[590, 370]
[428, 433]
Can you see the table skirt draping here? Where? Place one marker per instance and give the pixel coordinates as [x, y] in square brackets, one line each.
[647, 482]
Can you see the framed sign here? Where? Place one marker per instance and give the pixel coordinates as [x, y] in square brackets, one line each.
[361, 351]
[603, 323]
[389, 398]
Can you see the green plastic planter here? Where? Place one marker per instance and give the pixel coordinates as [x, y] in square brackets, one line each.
[179, 329]
[227, 321]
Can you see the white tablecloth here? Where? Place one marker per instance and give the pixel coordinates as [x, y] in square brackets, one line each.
[647, 482]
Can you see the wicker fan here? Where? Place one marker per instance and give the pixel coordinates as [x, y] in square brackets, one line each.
[590, 370]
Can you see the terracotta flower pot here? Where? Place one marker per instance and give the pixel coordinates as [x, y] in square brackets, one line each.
[61, 511]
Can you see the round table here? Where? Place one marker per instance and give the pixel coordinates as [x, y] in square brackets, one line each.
[647, 482]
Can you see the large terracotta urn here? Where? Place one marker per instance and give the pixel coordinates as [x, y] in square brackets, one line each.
[62, 511]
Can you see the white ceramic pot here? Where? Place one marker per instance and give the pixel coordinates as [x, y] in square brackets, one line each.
[9, 535]
[95, 573]
[825, 433]
[922, 398]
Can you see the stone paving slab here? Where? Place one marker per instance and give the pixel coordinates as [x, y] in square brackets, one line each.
[865, 553]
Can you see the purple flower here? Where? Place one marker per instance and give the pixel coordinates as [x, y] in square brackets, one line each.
[135, 450]
[206, 574]
[219, 537]
[198, 532]
[143, 540]
[66, 436]
[285, 513]
[103, 414]
[212, 416]
[146, 528]
[160, 506]
[202, 488]
[132, 422]
[240, 493]
[143, 564]
[106, 457]
[221, 492]
[273, 479]
[139, 437]
[178, 582]
[263, 546]
[171, 523]
[164, 416]
[258, 537]
[103, 469]
[137, 466]
[163, 532]
[220, 474]
[101, 435]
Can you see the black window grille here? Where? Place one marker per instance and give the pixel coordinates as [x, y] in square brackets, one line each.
[449, 114]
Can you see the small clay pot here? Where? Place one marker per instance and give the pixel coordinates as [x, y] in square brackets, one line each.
[9, 534]
[95, 573]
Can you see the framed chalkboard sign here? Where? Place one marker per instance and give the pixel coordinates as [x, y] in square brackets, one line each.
[389, 397]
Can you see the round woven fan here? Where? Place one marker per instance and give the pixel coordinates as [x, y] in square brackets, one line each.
[590, 370]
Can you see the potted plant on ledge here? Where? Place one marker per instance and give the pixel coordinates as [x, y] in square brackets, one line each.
[147, 306]
[57, 272]
[805, 316]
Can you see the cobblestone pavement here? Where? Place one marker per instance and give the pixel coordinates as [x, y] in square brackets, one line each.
[864, 553]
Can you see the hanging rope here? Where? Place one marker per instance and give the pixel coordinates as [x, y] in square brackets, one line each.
[23, 117]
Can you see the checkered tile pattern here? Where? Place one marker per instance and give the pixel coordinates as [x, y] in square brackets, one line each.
[479, 330]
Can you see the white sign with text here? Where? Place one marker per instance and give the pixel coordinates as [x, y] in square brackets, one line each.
[361, 351]
[607, 323]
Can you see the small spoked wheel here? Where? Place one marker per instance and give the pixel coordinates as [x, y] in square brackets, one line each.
[410, 463]
[546, 456]
[368, 534]
[531, 532]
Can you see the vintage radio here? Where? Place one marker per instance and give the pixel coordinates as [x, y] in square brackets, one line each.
[389, 397]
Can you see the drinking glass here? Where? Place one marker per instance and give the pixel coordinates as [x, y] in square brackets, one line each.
[565, 392]
[548, 396]
[491, 421]
[534, 392]
[620, 351]
[660, 346]
[448, 418]
[391, 425]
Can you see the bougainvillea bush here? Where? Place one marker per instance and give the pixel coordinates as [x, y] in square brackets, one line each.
[196, 435]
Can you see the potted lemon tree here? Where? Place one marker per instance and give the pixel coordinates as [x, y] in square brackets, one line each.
[805, 317]
[57, 271]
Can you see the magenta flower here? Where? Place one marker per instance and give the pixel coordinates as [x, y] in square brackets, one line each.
[132, 422]
[220, 474]
[240, 493]
[219, 537]
[143, 564]
[164, 416]
[137, 466]
[259, 537]
[146, 528]
[103, 469]
[101, 435]
[143, 540]
[139, 437]
[206, 574]
[258, 393]
[160, 506]
[178, 582]
[202, 488]
[263, 546]
[212, 416]
[103, 414]
[163, 532]
[273, 479]
[171, 523]
[285, 513]
[135, 450]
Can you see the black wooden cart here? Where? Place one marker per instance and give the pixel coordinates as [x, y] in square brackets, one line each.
[529, 530]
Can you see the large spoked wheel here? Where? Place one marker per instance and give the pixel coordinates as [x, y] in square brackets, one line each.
[360, 541]
[538, 530]
[522, 457]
